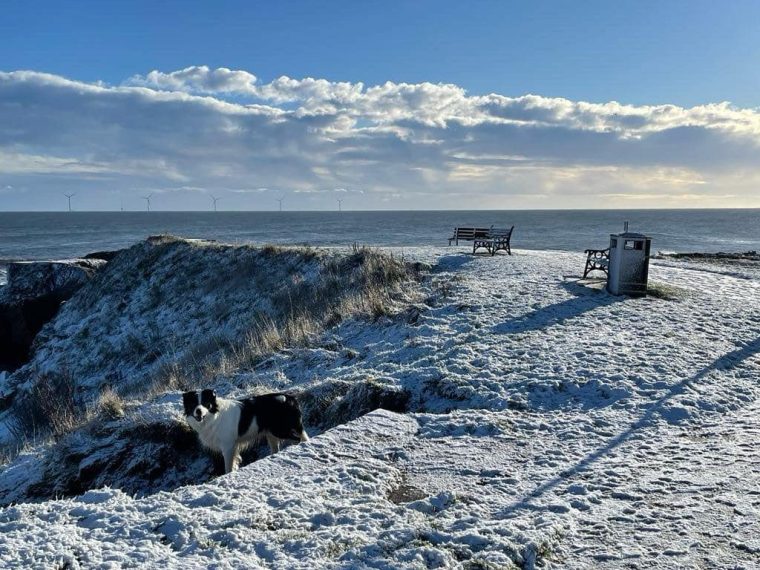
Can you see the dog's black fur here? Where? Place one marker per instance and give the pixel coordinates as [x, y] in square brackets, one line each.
[281, 419]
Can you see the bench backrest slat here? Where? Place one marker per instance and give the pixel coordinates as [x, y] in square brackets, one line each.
[462, 232]
[501, 232]
[484, 233]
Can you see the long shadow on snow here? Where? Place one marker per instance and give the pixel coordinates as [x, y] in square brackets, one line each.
[585, 300]
[452, 262]
[725, 362]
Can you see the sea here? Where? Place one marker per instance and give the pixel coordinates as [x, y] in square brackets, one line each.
[61, 235]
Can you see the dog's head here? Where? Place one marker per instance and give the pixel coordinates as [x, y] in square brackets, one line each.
[199, 404]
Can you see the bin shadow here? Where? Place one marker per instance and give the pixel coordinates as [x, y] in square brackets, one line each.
[585, 299]
[726, 362]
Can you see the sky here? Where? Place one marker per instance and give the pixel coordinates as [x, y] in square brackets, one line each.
[385, 105]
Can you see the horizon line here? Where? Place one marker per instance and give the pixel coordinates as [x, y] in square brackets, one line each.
[697, 208]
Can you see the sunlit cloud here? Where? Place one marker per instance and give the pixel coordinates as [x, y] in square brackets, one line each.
[201, 130]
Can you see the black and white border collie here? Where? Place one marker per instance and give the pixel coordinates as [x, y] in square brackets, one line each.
[229, 426]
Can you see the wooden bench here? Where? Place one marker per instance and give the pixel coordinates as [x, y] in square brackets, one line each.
[597, 260]
[492, 239]
[468, 234]
[498, 238]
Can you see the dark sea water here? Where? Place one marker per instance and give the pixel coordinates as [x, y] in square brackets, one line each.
[53, 235]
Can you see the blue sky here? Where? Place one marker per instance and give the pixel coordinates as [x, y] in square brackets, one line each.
[643, 52]
[123, 131]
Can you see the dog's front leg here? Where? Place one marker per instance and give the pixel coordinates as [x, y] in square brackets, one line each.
[229, 459]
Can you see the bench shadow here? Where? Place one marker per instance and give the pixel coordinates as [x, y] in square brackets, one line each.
[452, 262]
[585, 299]
[725, 362]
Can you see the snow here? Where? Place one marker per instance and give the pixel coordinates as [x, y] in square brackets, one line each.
[551, 425]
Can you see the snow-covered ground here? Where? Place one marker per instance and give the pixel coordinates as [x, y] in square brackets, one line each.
[551, 424]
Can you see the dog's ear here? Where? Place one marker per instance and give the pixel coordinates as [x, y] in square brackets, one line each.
[208, 397]
[189, 401]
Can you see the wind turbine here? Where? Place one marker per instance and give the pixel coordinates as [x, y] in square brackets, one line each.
[280, 201]
[147, 200]
[70, 196]
[215, 199]
[340, 204]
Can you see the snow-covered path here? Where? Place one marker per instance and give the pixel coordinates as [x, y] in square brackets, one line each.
[609, 411]
[554, 425]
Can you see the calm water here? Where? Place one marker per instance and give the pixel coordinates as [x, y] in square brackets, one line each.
[63, 234]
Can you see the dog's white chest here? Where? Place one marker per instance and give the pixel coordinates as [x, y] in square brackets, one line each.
[221, 431]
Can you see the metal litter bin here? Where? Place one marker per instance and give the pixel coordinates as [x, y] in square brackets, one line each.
[629, 263]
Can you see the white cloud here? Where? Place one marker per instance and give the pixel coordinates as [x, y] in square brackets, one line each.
[220, 130]
[437, 104]
[199, 79]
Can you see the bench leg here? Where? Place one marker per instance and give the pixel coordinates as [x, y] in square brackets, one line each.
[591, 266]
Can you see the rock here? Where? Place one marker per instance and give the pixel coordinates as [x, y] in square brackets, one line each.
[31, 298]
[33, 279]
[104, 255]
[721, 255]
[19, 324]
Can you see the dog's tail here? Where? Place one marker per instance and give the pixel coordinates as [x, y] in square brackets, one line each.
[298, 433]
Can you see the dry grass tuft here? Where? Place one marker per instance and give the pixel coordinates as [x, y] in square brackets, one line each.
[110, 405]
[51, 408]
